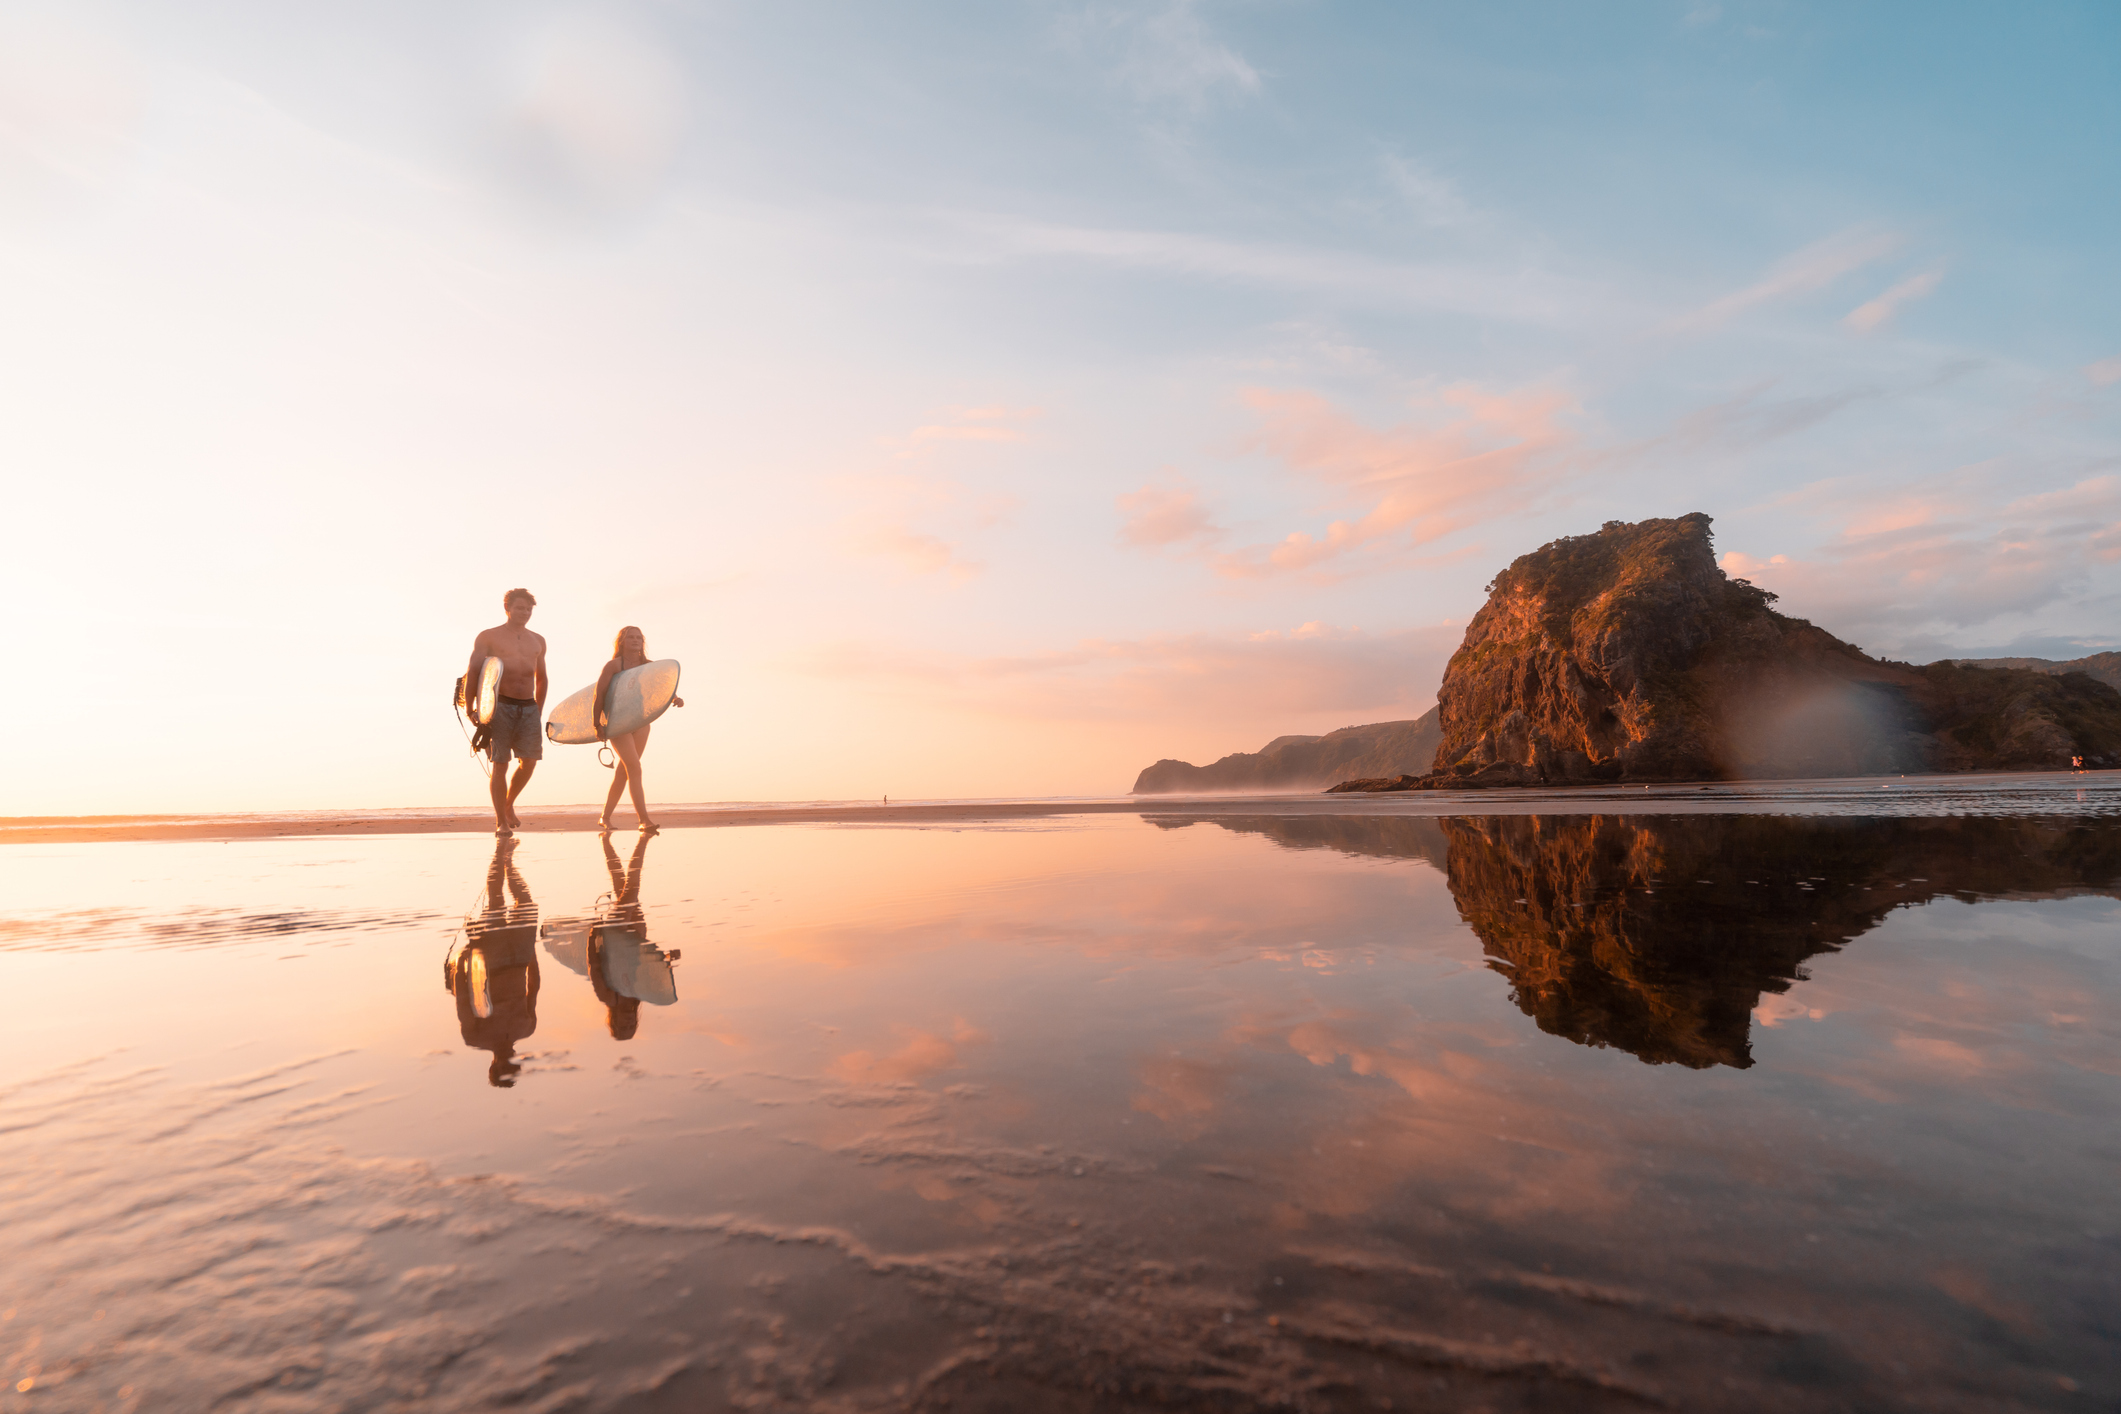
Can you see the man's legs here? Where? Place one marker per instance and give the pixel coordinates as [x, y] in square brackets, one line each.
[497, 787]
[515, 788]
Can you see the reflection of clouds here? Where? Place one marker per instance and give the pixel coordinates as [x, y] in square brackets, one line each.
[1780, 1010]
[924, 1053]
[1182, 1093]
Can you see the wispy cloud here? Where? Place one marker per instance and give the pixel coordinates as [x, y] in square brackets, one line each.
[899, 522]
[2105, 372]
[980, 424]
[1163, 52]
[1876, 313]
[1805, 272]
[1484, 291]
[1434, 200]
[1275, 675]
[1419, 483]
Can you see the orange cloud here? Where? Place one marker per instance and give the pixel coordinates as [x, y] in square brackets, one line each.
[924, 1054]
[1420, 483]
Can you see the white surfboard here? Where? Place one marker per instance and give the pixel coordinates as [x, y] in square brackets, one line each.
[638, 697]
[489, 692]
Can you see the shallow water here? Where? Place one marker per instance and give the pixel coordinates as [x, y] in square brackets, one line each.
[1104, 1112]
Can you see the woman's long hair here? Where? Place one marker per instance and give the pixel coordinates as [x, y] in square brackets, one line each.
[618, 642]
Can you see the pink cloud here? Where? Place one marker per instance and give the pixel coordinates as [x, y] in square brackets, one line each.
[915, 552]
[1955, 553]
[1876, 313]
[1420, 483]
[1164, 515]
[2106, 371]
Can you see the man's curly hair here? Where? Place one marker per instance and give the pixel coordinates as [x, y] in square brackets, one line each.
[514, 594]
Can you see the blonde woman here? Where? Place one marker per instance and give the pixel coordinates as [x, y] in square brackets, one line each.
[628, 650]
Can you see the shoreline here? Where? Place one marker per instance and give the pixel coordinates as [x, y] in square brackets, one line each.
[2091, 793]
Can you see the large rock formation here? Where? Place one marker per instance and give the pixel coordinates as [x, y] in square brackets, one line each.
[1304, 762]
[1628, 655]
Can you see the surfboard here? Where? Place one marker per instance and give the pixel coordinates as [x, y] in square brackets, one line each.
[638, 697]
[489, 692]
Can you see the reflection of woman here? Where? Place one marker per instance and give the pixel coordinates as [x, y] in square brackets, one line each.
[625, 968]
[628, 650]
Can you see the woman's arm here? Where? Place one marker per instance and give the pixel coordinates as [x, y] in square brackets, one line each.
[597, 712]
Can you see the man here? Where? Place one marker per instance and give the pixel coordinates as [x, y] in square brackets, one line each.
[518, 727]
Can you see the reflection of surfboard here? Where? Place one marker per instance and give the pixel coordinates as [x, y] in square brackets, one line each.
[568, 942]
[635, 967]
[489, 692]
[638, 697]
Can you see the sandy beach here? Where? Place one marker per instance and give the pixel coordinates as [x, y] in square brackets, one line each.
[2039, 792]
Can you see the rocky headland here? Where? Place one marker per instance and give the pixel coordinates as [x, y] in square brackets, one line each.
[1304, 762]
[1629, 655]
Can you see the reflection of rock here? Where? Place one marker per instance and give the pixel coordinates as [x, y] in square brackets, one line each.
[1401, 837]
[1610, 937]
[1305, 762]
[1659, 935]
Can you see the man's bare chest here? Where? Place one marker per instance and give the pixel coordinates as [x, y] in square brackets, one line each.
[515, 650]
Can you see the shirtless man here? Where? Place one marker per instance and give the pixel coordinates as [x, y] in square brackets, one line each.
[518, 726]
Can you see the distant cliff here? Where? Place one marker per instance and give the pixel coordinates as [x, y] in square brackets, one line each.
[1304, 762]
[1628, 655]
[2106, 667]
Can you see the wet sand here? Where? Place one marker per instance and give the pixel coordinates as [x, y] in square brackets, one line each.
[1230, 1109]
[2030, 792]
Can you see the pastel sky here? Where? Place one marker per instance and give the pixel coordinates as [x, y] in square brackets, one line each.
[991, 398]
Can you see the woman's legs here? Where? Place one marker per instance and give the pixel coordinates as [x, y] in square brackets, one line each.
[619, 773]
[628, 774]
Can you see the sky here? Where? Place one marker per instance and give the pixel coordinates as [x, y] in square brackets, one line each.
[993, 398]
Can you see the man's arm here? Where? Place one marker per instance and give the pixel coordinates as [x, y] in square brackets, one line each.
[543, 682]
[471, 673]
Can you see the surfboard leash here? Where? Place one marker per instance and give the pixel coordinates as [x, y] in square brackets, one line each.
[484, 767]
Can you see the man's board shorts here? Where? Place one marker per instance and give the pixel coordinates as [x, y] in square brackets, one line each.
[516, 732]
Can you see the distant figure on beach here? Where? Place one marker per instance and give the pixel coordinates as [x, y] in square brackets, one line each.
[494, 972]
[628, 650]
[625, 968]
[516, 729]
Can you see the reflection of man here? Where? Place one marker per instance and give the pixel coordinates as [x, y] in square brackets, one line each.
[494, 974]
[515, 729]
[624, 967]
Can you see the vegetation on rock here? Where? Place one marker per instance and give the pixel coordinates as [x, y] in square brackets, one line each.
[1628, 655]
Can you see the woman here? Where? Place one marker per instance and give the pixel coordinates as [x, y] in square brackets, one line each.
[628, 650]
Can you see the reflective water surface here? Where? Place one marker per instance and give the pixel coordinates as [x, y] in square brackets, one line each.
[1279, 1111]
